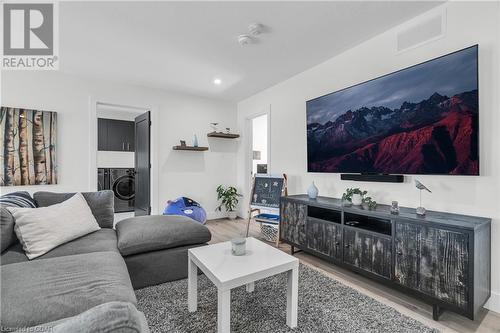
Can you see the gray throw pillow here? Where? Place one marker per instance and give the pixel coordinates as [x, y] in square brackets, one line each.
[41, 229]
[101, 204]
[17, 199]
[8, 237]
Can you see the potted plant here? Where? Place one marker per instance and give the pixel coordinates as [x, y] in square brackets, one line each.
[358, 197]
[228, 197]
[354, 196]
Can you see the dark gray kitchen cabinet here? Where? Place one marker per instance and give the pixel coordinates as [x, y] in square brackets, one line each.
[102, 134]
[293, 223]
[368, 251]
[324, 237]
[434, 261]
[115, 135]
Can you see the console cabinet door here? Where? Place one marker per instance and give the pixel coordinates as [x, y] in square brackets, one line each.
[293, 222]
[325, 238]
[368, 252]
[433, 261]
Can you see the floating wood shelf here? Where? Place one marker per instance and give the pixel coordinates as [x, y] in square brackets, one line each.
[190, 148]
[223, 135]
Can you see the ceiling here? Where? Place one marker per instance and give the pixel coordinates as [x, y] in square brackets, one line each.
[183, 46]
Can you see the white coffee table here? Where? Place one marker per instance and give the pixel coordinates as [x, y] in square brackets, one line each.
[227, 272]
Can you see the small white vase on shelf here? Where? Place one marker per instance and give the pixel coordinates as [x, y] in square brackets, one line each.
[356, 199]
[312, 191]
[195, 141]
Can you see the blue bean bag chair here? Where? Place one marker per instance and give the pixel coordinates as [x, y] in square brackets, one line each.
[186, 207]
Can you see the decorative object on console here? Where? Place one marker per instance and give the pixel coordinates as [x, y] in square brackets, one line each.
[229, 199]
[238, 246]
[31, 136]
[395, 208]
[357, 197]
[420, 186]
[183, 143]
[312, 191]
[195, 141]
[214, 126]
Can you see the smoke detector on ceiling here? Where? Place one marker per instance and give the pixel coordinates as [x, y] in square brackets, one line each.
[244, 40]
[255, 29]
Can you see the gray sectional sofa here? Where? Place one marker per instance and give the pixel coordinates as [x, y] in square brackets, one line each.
[101, 267]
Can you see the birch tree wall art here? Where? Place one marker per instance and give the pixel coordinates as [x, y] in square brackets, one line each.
[28, 147]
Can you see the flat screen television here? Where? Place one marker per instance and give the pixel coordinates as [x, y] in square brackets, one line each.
[419, 120]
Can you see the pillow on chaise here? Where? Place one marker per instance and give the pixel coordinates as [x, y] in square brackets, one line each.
[17, 199]
[41, 229]
[8, 237]
[14, 199]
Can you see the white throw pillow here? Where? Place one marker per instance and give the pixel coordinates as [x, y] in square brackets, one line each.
[41, 229]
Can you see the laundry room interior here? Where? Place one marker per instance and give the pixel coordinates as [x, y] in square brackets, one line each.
[116, 155]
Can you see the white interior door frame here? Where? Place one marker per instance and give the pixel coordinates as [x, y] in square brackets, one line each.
[93, 104]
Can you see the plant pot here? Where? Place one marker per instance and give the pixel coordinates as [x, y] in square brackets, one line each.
[232, 215]
[356, 199]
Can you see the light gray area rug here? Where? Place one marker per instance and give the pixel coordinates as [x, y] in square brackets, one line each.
[325, 305]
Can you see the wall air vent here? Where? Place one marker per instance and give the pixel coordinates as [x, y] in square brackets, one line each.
[421, 32]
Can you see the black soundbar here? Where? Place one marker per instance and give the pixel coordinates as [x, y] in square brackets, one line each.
[373, 178]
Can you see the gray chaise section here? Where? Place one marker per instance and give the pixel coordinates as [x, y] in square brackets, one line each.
[46, 290]
[158, 232]
[151, 268]
[155, 247]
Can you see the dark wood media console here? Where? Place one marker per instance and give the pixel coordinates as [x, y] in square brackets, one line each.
[442, 258]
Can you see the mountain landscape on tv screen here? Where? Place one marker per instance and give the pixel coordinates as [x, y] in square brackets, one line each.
[437, 135]
[420, 120]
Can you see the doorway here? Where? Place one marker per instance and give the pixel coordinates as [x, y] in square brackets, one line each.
[259, 145]
[258, 160]
[123, 157]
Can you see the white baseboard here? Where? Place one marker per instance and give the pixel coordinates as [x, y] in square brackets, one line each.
[216, 215]
[493, 303]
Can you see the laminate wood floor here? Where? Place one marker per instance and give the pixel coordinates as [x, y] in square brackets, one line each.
[488, 321]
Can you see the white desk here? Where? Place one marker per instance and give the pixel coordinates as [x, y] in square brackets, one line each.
[227, 272]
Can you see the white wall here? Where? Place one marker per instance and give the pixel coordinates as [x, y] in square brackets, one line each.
[467, 24]
[176, 116]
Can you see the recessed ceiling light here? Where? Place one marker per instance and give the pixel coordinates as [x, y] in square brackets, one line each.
[217, 81]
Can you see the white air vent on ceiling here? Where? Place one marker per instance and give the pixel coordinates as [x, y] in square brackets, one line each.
[421, 32]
